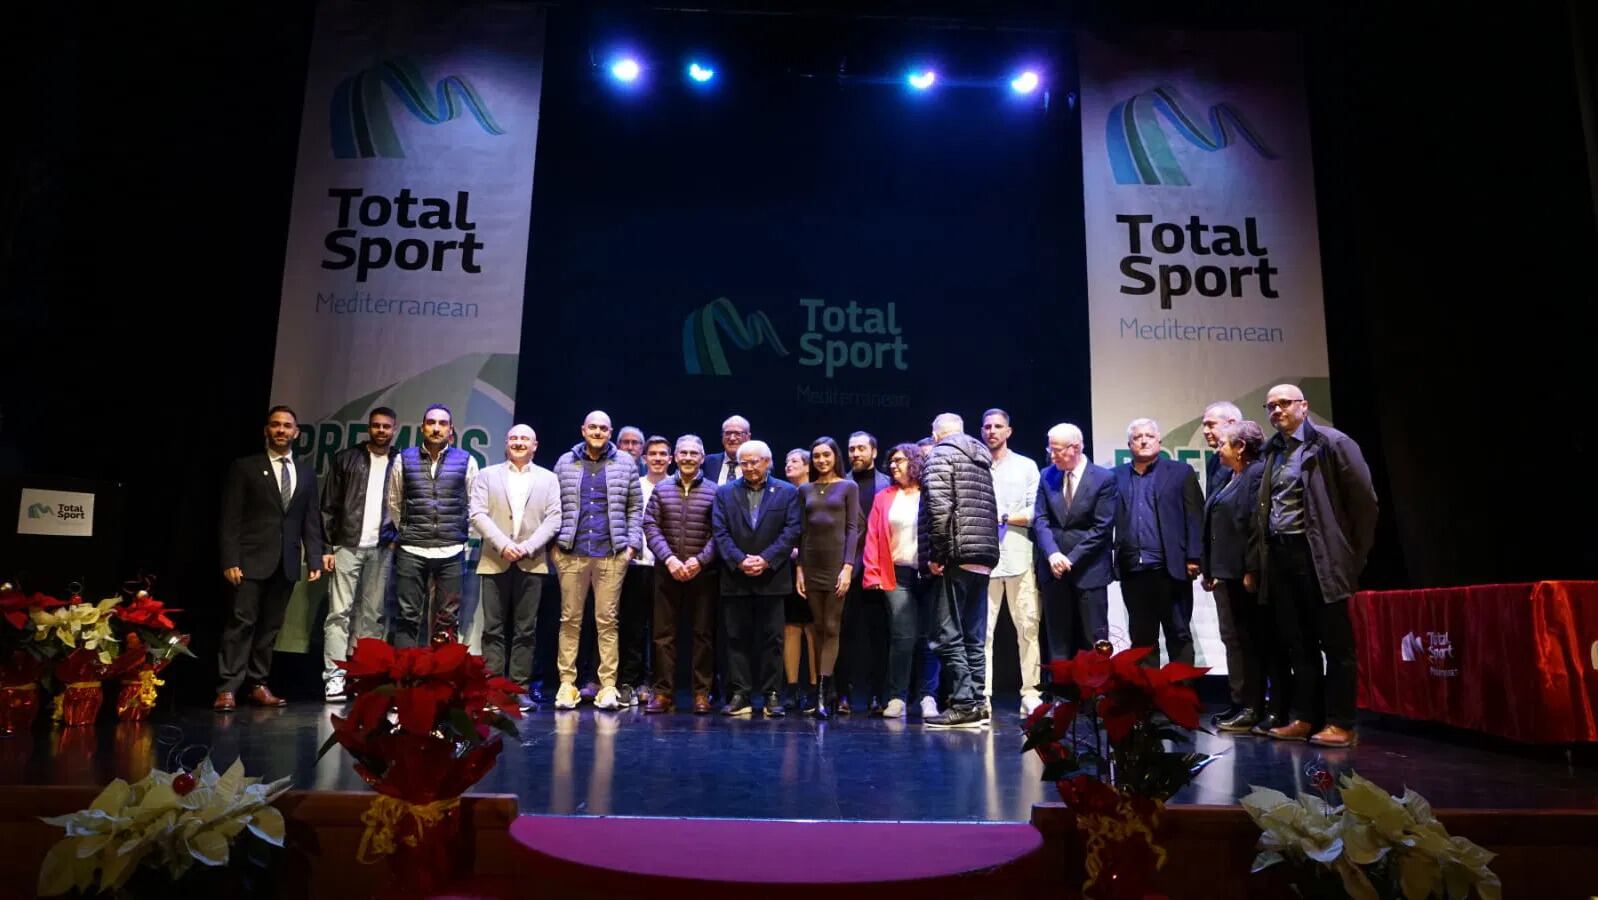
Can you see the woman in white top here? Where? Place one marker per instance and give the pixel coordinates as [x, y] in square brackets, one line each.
[893, 565]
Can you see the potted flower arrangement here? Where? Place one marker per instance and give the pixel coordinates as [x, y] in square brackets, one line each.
[1369, 846]
[421, 731]
[1102, 736]
[158, 828]
[146, 622]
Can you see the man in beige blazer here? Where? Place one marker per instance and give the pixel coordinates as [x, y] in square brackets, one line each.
[515, 508]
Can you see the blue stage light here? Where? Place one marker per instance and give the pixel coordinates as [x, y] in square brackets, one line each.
[626, 70]
[1025, 83]
[699, 73]
[922, 80]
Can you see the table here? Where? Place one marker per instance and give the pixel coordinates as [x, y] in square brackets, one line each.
[1515, 660]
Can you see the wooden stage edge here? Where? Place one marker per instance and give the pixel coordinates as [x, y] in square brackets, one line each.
[1546, 854]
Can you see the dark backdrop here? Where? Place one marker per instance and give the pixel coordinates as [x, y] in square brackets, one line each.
[147, 194]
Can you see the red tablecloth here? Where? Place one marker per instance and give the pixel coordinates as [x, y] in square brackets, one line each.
[1516, 660]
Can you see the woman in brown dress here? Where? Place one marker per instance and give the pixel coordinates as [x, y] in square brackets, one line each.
[831, 505]
[797, 628]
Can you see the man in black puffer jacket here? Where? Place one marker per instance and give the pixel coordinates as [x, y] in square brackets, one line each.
[959, 538]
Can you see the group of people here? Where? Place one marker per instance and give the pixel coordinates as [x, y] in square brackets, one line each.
[876, 578]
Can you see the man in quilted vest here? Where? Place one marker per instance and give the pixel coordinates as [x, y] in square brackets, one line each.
[601, 528]
[428, 501]
[677, 528]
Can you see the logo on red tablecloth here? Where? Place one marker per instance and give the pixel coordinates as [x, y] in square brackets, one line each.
[1436, 648]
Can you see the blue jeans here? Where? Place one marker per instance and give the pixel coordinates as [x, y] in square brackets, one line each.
[926, 597]
[902, 603]
[961, 633]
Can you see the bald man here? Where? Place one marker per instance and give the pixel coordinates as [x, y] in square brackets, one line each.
[1315, 521]
[515, 509]
[601, 528]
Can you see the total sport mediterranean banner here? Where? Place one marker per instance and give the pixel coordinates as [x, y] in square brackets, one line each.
[407, 247]
[1203, 255]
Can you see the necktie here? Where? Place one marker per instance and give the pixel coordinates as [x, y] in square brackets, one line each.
[285, 487]
[1070, 489]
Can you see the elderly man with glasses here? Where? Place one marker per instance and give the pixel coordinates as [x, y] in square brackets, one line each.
[1315, 523]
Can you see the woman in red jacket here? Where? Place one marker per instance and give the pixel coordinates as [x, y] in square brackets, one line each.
[891, 565]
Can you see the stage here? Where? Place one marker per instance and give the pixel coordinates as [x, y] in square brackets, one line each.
[590, 763]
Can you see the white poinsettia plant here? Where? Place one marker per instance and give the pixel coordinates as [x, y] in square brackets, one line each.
[166, 820]
[1371, 827]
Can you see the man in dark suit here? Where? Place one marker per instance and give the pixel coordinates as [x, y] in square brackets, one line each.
[1158, 540]
[722, 468]
[1073, 522]
[269, 516]
[755, 523]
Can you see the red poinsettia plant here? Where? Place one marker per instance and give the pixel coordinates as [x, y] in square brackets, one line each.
[423, 721]
[149, 620]
[1102, 737]
[421, 731]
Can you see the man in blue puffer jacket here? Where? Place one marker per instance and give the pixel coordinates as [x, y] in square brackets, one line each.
[601, 528]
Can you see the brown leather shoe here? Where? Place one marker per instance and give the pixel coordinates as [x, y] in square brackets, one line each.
[701, 703]
[660, 703]
[263, 696]
[1335, 737]
[225, 702]
[1296, 730]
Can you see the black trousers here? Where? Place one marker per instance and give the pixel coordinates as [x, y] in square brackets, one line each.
[1156, 602]
[251, 630]
[863, 641]
[511, 597]
[752, 626]
[637, 608]
[1073, 617]
[1257, 663]
[671, 596]
[1310, 627]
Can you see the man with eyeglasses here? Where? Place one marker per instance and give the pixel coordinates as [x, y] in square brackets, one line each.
[1316, 522]
[721, 468]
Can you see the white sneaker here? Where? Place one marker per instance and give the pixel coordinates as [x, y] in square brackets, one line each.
[1029, 705]
[608, 698]
[929, 707]
[567, 697]
[333, 691]
[894, 709]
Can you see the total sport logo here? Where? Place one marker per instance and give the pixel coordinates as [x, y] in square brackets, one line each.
[1435, 648]
[1136, 143]
[836, 337]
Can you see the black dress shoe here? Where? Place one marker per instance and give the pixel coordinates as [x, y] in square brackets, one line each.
[774, 708]
[1264, 726]
[875, 707]
[1245, 719]
[737, 705]
[843, 705]
[1230, 712]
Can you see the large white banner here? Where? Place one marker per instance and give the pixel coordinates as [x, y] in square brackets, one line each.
[407, 247]
[1203, 256]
